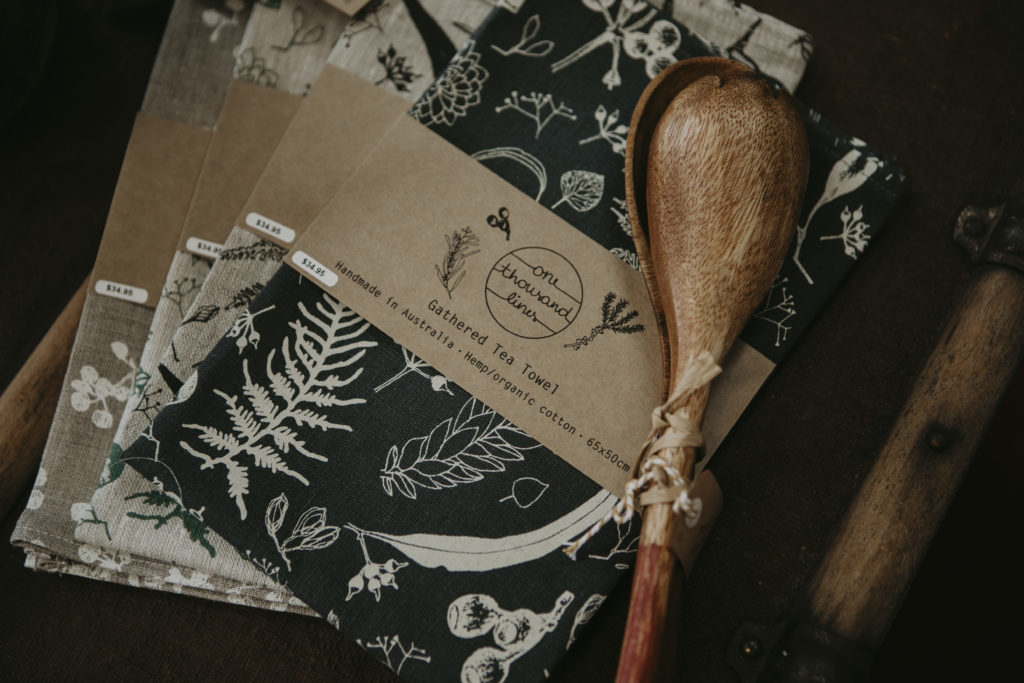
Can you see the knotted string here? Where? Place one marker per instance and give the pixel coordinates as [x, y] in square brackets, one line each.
[658, 478]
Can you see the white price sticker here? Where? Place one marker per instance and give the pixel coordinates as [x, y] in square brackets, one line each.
[117, 290]
[318, 270]
[201, 247]
[270, 227]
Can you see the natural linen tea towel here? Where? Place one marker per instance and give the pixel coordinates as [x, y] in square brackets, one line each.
[185, 93]
[416, 519]
[148, 524]
[396, 48]
[291, 41]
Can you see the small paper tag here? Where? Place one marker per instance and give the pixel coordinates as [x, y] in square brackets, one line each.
[689, 534]
[125, 292]
[311, 266]
[205, 248]
[269, 227]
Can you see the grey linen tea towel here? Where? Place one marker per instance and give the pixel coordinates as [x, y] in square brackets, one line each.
[417, 520]
[186, 90]
[291, 41]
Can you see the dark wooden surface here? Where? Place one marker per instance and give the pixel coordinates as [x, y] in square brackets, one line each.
[935, 82]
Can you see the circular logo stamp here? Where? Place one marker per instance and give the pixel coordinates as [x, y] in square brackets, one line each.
[534, 292]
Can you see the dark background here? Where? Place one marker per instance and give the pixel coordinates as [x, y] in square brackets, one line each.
[937, 83]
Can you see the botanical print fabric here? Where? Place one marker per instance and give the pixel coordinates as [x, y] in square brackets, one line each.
[188, 83]
[396, 45]
[147, 524]
[742, 33]
[408, 513]
[290, 42]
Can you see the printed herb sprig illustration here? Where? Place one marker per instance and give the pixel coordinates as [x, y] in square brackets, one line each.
[778, 307]
[396, 69]
[192, 522]
[391, 647]
[525, 48]
[538, 107]
[453, 267]
[325, 342]
[301, 34]
[614, 318]
[414, 364]
[457, 451]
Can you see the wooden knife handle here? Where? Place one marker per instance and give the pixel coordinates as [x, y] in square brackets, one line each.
[861, 582]
[28, 403]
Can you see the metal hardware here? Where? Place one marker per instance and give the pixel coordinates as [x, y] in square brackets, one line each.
[994, 234]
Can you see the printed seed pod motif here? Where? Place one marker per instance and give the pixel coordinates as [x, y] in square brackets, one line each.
[407, 541]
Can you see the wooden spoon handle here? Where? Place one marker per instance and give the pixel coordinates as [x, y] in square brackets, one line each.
[652, 627]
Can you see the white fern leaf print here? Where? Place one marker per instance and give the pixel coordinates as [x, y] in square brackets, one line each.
[460, 450]
[325, 344]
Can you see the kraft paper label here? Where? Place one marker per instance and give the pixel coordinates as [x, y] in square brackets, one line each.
[331, 132]
[154, 190]
[251, 124]
[499, 294]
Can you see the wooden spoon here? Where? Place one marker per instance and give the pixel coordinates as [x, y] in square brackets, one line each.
[716, 162]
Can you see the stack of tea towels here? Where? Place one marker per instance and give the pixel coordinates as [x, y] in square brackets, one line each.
[254, 440]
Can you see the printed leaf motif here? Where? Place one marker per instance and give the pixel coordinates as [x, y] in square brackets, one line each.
[846, 176]
[325, 341]
[276, 511]
[778, 307]
[526, 491]
[453, 267]
[460, 450]
[614, 318]
[91, 389]
[477, 554]
[581, 189]
[540, 48]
